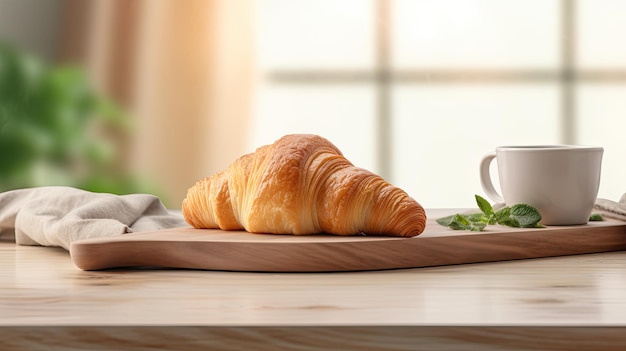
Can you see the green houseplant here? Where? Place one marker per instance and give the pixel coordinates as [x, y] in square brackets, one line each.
[49, 119]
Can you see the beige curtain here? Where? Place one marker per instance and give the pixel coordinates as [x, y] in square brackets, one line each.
[183, 69]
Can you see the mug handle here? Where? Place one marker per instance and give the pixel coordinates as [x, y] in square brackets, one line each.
[485, 178]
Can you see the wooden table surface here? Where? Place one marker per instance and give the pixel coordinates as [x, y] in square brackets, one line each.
[561, 303]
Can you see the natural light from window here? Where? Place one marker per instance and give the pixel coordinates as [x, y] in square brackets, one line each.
[419, 90]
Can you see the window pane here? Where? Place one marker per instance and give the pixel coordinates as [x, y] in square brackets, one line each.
[315, 33]
[442, 132]
[601, 33]
[343, 114]
[476, 33]
[601, 122]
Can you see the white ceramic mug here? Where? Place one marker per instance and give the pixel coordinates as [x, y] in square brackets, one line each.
[561, 181]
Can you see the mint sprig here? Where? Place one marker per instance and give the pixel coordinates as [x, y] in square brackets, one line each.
[595, 217]
[519, 216]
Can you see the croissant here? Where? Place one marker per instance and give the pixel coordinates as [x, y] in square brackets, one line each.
[301, 184]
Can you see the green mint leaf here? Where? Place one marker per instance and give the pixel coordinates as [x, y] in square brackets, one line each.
[459, 223]
[461, 219]
[484, 206]
[445, 221]
[477, 226]
[525, 215]
[473, 222]
[510, 222]
[472, 217]
[596, 217]
[476, 217]
[520, 215]
[457, 226]
[502, 215]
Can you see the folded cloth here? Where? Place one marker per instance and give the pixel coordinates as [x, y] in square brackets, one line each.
[57, 215]
[612, 209]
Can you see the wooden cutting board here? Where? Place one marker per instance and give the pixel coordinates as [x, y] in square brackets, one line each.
[241, 251]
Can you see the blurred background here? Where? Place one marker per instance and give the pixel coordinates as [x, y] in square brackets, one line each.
[152, 95]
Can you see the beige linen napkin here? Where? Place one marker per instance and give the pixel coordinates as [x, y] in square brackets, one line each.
[57, 215]
[612, 209]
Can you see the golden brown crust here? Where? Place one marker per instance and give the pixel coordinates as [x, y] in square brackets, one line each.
[301, 184]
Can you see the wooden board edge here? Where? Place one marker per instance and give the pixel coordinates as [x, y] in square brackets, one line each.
[351, 256]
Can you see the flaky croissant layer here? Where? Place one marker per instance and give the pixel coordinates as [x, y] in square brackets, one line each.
[301, 184]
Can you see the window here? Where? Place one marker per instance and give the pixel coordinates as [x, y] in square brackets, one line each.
[418, 90]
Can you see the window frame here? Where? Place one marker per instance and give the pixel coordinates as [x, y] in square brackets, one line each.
[383, 77]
